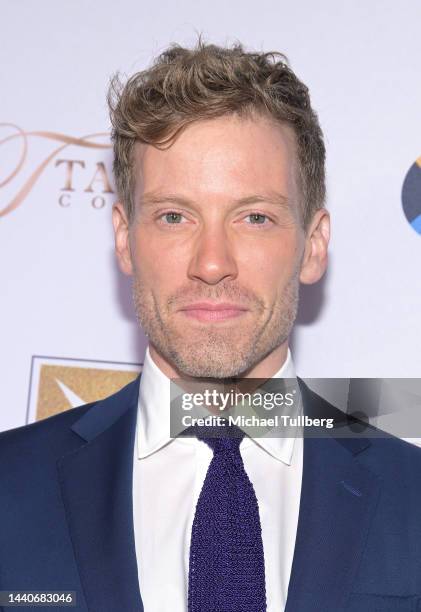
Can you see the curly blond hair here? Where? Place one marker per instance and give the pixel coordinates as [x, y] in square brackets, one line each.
[186, 85]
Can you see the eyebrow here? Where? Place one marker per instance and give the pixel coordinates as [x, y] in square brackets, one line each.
[150, 199]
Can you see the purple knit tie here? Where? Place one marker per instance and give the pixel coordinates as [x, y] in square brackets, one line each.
[227, 572]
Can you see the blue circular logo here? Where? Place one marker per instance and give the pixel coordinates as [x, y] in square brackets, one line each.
[411, 195]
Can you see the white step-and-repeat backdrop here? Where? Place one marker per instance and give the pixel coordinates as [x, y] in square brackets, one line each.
[68, 333]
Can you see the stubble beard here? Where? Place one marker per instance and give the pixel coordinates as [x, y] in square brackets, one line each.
[213, 352]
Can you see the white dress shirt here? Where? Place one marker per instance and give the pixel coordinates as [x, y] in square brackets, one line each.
[168, 475]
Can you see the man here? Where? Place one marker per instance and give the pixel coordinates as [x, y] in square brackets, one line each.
[219, 166]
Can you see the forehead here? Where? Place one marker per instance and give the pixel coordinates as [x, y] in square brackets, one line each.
[226, 155]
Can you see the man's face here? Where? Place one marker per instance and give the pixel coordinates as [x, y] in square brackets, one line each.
[217, 225]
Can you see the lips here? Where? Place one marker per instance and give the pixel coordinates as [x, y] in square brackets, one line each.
[213, 311]
[214, 306]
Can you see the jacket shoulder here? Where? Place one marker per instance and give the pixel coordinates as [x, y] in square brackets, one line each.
[54, 434]
[40, 433]
[394, 459]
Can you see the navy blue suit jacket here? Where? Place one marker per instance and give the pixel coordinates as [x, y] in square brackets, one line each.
[66, 517]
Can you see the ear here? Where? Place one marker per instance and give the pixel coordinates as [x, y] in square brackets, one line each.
[314, 262]
[121, 234]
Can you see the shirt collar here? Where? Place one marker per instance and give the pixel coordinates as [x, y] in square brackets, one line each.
[153, 422]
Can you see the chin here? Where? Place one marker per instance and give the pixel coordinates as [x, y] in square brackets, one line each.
[213, 367]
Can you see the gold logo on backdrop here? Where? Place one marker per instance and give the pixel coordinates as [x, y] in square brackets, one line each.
[61, 387]
[90, 141]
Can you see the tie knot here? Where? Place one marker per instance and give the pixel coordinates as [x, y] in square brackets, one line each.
[222, 438]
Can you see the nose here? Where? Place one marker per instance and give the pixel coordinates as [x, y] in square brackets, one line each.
[212, 259]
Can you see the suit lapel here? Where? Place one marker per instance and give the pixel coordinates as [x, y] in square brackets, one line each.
[96, 485]
[338, 499]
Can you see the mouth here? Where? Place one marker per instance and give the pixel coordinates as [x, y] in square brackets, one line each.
[213, 312]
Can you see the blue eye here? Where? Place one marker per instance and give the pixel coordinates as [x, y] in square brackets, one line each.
[257, 218]
[173, 217]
